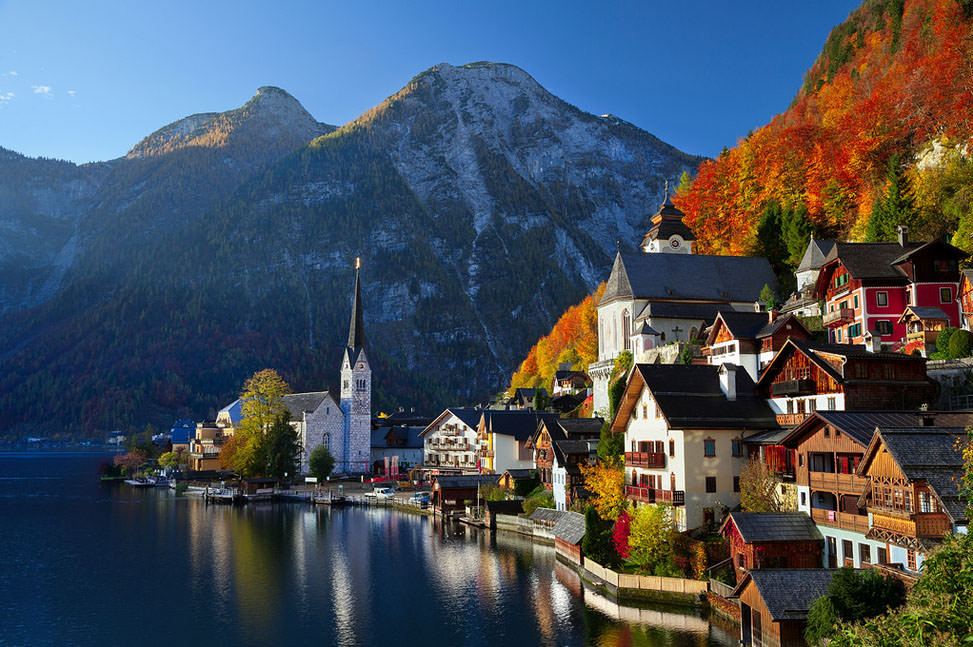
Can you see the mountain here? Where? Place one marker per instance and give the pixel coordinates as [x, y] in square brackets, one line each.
[878, 135]
[481, 206]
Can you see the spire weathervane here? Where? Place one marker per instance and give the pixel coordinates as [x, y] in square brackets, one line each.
[358, 262]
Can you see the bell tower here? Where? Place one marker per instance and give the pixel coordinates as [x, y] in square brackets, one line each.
[668, 234]
[356, 391]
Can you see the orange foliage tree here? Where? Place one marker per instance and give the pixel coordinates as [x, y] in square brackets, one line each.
[573, 339]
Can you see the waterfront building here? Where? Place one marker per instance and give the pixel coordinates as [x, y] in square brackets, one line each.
[567, 482]
[450, 442]
[866, 287]
[396, 448]
[453, 492]
[503, 438]
[772, 540]
[665, 293]
[684, 428]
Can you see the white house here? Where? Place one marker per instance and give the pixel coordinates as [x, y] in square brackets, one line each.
[450, 442]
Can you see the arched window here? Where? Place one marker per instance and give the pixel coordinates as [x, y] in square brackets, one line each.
[626, 330]
[692, 333]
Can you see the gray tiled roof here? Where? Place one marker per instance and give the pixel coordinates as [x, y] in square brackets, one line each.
[298, 403]
[927, 312]
[815, 254]
[466, 480]
[930, 454]
[860, 425]
[688, 276]
[570, 528]
[871, 260]
[789, 593]
[581, 427]
[548, 516]
[774, 526]
[519, 424]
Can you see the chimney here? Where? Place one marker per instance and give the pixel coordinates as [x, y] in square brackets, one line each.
[873, 342]
[903, 235]
[771, 316]
[728, 381]
[758, 307]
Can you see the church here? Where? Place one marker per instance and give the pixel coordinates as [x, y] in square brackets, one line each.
[666, 293]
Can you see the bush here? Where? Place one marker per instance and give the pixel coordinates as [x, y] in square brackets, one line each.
[942, 339]
[539, 498]
[959, 344]
[597, 542]
[852, 596]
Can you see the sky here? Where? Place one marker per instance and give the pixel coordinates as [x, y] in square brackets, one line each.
[85, 81]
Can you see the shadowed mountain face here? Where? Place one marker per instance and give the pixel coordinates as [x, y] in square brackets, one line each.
[481, 206]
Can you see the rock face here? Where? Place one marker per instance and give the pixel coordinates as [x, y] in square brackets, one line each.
[481, 205]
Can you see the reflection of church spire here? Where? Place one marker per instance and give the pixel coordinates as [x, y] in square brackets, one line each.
[356, 331]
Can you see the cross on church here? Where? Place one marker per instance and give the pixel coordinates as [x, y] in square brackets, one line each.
[675, 332]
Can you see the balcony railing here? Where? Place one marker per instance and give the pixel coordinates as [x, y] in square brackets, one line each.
[791, 419]
[645, 459]
[930, 525]
[652, 495]
[838, 317]
[833, 482]
[838, 519]
[793, 387]
[675, 497]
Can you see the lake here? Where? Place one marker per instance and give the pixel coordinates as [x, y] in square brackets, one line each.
[90, 564]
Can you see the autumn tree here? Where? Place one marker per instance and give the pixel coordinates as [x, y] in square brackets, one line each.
[131, 460]
[651, 536]
[607, 486]
[759, 488]
[262, 403]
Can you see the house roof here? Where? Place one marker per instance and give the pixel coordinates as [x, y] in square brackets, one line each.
[409, 432]
[520, 473]
[548, 516]
[567, 402]
[925, 313]
[773, 526]
[522, 425]
[860, 425]
[742, 325]
[788, 593]
[464, 480]
[871, 260]
[696, 277]
[570, 528]
[955, 252]
[469, 416]
[680, 310]
[816, 351]
[815, 254]
[564, 448]
[929, 454]
[581, 427]
[234, 410]
[299, 403]
[690, 397]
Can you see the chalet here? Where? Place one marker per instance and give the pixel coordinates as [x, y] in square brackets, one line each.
[805, 377]
[450, 442]
[396, 448]
[774, 604]
[750, 339]
[830, 446]
[452, 493]
[527, 399]
[867, 286]
[503, 438]
[772, 540]
[665, 293]
[519, 481]
[567, 381]
[965, 299]
[912, 490]
[922, 327]
[551, 429]
[684, 428]
[804, 302]
[567, 480]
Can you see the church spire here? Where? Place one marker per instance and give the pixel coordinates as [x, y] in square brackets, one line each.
[356, 332]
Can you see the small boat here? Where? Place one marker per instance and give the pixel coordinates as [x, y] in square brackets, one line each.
[302, 497]
[221, 495]
[138, 482]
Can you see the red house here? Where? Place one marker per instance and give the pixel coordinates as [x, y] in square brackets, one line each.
[772, 540]
[867, 286]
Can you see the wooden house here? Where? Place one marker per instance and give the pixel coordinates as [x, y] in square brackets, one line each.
[451, 493]
[965, 299]
[552, 428]
[805, 377]
[774, 604]
[922, 327]
[568, 533]
[750, 339]
[867, 286]
[518, 481]
[450, 442]
[912, 491]
[772, 540]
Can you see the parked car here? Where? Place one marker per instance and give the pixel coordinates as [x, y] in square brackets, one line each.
[385, 493]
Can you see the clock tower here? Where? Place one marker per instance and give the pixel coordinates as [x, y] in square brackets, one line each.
[356, 392]
[669, 234]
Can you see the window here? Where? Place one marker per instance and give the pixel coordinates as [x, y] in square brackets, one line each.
[803, 498]
[945, 295]
[736, 483]
[832, 404]
[672, 448]
[709, 447]
[883, 327]
[882, 299]
[911, 559]
[711, 484]
[865, 553]
[812, 405]
[740, 561]
[847, 549]
[737, 447]
[790, 406]
[856, 302]
[634, 446]
[837, 334]
[635, 413]
[882, 556]
[645, 411]
[925, 504]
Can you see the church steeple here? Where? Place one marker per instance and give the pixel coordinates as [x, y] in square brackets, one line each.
[356, 331]
[668, 233]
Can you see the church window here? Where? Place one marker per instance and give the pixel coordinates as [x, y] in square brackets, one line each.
[626, 330]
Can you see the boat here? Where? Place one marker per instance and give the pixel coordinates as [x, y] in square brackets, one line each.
[300, 496]
[221, 495]
[138, 482]
[331, 499]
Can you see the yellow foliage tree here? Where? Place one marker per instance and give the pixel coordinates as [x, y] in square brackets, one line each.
[261, 402]
[651, 535]
[607, 485]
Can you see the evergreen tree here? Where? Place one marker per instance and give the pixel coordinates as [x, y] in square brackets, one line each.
[769, 242]
[796, 230]
[684, 183]
[281, 449]
[892, 208]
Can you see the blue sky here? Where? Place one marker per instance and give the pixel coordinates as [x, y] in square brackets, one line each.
[87, 80]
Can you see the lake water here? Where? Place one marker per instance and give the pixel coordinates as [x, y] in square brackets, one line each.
[83, 563]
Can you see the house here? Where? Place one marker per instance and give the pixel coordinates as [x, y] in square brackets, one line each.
[205, 445]
[922, 327]
[396, 448]
[567, 482]
[750, 339]
[830, 446]
[550, 429]
[503, 438]
[804, 302]
[528, 399]
[772, 540]
[666, 293]
[867, 286]
[684, 428]
[774, 604]
[453, 492]
[450, 442]
[566, 381]
[805, 377]
[912, 490]
[180, 434]
[519, 482]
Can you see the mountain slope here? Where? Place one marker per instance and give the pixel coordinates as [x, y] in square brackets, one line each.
[481, 205]
[890, 86]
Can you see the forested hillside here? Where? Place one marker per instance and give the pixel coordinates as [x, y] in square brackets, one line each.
[877, 136]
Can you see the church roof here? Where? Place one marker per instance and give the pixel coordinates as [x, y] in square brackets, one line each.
[298, 403]
[696, 277]
[815, 254]
[356, 331]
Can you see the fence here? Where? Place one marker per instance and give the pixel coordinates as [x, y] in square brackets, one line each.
[645, 582]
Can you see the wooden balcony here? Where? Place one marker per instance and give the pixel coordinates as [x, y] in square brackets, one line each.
[675, 497]
[791, 419]
[838, 317]
[654, 460]
[641, 494]
[923, 336]
[929, 525]
[833, 482]
[793, 387]
[838, 519]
